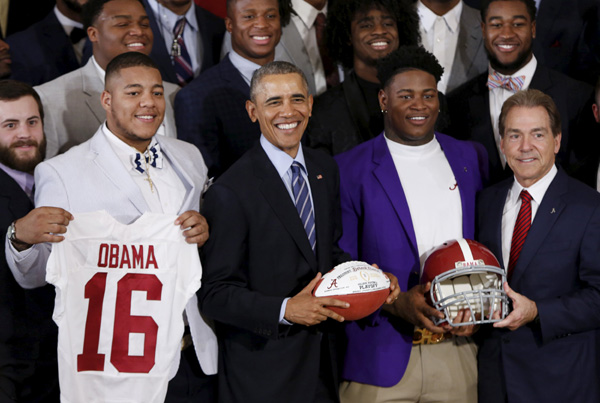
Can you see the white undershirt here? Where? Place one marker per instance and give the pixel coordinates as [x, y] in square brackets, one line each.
[439, 35]
[513, 205]
[169, 191]
[497, 96]
[431, 192]
[305, 23]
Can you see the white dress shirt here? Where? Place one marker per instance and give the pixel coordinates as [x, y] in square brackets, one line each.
[243, 65]
[68, 25]
[167, 191]
[167, 19]
[439, 35]
[497, 96]
[513, 205]
[305, 23]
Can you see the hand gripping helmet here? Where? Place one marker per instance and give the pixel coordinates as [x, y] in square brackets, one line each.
[465, 274]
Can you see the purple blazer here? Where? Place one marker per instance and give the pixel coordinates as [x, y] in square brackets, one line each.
[378, 229]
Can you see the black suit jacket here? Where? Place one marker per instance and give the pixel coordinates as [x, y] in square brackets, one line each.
[257, 255]
[559, 269]
[212, 30]
[210, 112]
[42, 52]
[28, 336]
[470, 117]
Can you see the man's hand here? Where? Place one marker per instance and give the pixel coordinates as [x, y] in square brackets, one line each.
[394, 288]
[464, 315]
[195, 226]
[306, 309]
[413, 308]
[42, 224]
[524, 310]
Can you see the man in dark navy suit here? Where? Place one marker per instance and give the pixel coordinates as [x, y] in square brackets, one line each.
[210, 112]
[545, 229]
[202, 34]
[51, 47]
[28, 336]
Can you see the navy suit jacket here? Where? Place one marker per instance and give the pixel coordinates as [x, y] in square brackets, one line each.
[42, 52]
[210, 112]
[212, 30]
[28, 336]
[469, 108]
[559, 269]
[257, 255]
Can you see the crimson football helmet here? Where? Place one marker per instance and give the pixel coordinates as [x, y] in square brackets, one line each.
[465, 274]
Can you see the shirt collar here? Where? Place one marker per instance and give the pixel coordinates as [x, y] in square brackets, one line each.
[528, 71]
[67, 23]
[243, 65]
[428, 17]
[169, 19]
[119, 145]
[537, 190]
[306, 12]
[279, 158]
[23, 179]
[99, 70]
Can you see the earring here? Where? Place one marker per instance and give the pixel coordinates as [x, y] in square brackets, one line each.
[384, 111]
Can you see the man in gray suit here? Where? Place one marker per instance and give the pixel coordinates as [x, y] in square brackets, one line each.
[451, 30]
[72, 101]
[99, 175]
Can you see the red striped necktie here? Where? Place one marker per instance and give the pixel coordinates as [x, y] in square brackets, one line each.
[522, 226]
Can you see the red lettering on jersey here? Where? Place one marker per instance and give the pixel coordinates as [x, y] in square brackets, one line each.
[137, 256]
[151, 260]
[125, 258]
[103, 255]
[113, 258]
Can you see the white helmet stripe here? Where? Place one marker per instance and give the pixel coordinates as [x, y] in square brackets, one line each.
[466, 250]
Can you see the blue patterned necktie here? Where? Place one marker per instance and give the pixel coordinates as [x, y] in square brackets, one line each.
[303, 204]
[151, 157]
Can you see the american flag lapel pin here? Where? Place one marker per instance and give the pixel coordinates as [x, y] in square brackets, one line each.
[319, 176]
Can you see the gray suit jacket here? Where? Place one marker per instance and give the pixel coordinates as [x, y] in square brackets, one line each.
[73, 111]
[470, 58]
[91, 177]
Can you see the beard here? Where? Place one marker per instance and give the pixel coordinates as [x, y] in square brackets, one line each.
[9, 157]
[509, 68]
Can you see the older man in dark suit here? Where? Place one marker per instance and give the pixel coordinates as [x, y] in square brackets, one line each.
[509, 27]
[545, 229]
[210, 111]
[28, 336]
[266, 253]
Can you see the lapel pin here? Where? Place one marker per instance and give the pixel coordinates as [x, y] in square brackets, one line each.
[553, 211]
[466, 169]
[319, 176]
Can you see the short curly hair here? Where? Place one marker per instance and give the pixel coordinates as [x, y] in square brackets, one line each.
[340, 14]
[408, 58]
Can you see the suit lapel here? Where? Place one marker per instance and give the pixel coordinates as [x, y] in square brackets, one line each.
[386, 174]
[468, 43]
[547, 214]
[159, 51]
[92, 87]
[318, 188]
[272, 188]
[179, 170]
[229, 73]
[108, 162]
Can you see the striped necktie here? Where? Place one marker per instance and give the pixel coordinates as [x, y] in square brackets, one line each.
[181, 58]
[303, 203]
[522, 226]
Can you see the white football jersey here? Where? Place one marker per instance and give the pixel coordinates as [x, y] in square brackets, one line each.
[120, 295]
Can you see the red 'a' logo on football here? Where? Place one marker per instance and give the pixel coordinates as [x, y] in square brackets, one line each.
[333, 284]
